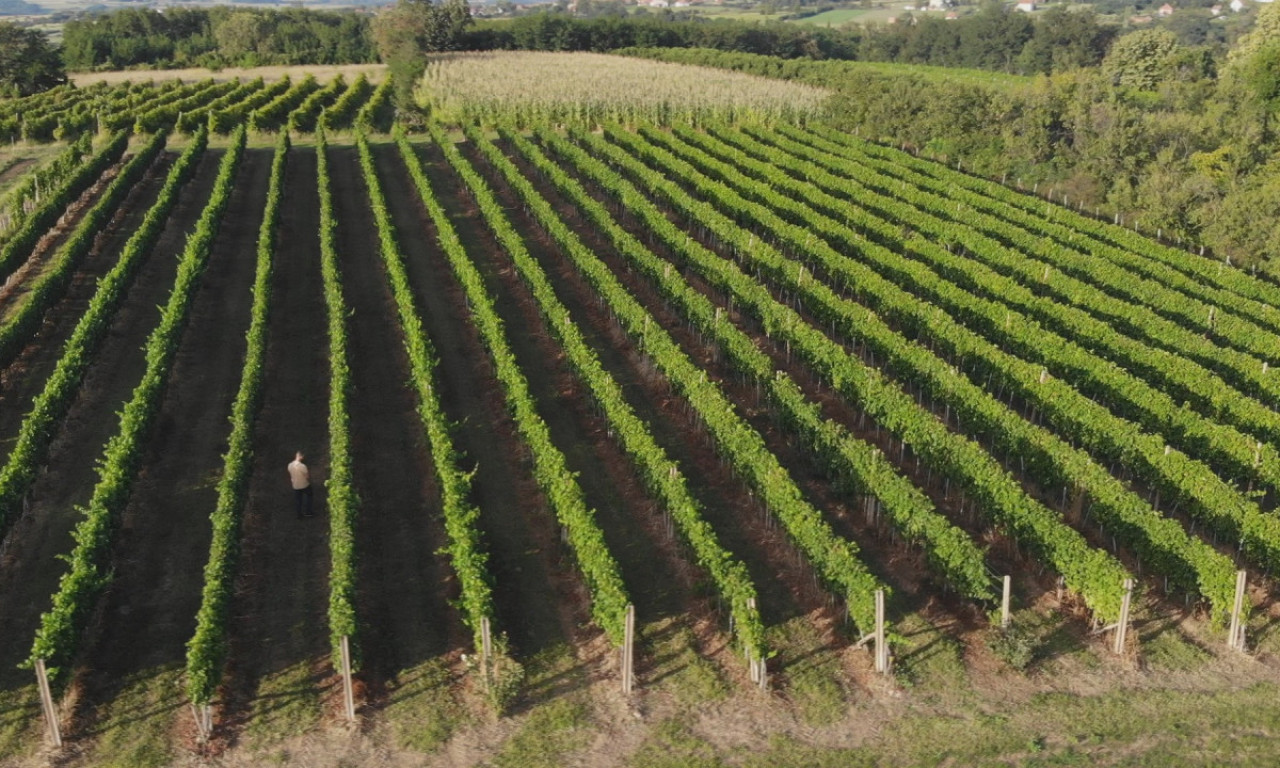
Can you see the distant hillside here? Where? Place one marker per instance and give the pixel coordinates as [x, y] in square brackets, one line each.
[19, 8]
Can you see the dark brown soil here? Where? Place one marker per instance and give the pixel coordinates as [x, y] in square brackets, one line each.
[25, 377]
[537, 604]
[280, 614]
[785, 586]
[605, 473]
[29, 570]
[405, 583]
[149, 612]
[649, 533]
[22, 279]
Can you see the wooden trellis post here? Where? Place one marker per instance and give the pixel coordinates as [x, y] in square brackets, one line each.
[1235, 635]
[882, 650]
[204, 719]
[1004, 602]
[46, 703]
[348, 692]
[628, 651]
[486, 652]
[1122, 627]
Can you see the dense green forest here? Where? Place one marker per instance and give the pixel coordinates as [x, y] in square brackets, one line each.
[216, 37]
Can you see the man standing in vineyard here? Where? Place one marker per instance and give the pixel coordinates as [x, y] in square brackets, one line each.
[300, 478]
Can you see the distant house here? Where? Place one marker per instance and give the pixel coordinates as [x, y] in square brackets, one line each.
[1027, 6]
[1216, 10]
[952, 15]
[908, 7]
[940, 5]
[659, 4]
[891, 20]
[1237, 6]
[1165, 10]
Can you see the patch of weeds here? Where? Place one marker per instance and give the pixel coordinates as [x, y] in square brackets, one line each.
[815, 682]
[679, 669]
[549, 673]
[279, 757]
[1167, 649]
[506, 676]
[134, 728]
[550, 732]
[926, 657]
[20, 723]
[422, 710]
[1058, 642]
[287, 703]
[787, 752]
[1262, 633]
[818, 696]
[1015, 644]
[672, 744]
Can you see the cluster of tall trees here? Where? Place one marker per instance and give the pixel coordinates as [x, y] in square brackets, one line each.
[216, 36]
[28, 62]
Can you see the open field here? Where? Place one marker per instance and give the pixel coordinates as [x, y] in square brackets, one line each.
[838, 17]
[741, 377]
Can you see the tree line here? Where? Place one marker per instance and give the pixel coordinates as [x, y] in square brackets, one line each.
[220, 36]
[995, 38]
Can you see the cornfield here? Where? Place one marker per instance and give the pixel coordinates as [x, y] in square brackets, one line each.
[530, 87]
